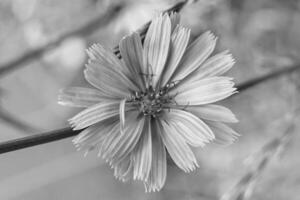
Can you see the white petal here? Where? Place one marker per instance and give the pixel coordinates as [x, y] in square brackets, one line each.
[106, 57]
[179, 42]
[213, 112]
[142, 155]
[156, 46]
[216, 65]
[92, 136]
[224, 134]
[178, 149]
[190, 127]
[132, 53]
[80, 97]
[175, 20]
[158, 173]
[95, 114]
[204, 91]
[108, 79]
[118, 147]
[123, 171]
[122, 114]
[195, 55]
[113, 134]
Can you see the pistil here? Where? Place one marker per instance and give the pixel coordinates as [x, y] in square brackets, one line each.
[152, 102]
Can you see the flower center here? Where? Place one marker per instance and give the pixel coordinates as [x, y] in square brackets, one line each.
[152, 102]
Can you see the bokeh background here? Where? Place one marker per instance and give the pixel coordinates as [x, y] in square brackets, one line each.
[263, 36]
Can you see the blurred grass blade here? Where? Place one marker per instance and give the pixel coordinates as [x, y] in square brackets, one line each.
[54, 171]
[12, 121]
[258, 163]
[86, 29]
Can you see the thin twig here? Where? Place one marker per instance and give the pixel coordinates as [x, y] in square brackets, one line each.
[68, 132]
[84, 30]
[252, 82]
[37, 139]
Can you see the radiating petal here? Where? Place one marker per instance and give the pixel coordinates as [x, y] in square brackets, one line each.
[175, 20]
[156, 46]
[93, 136]
[95, 114]
[213, 112]
[178, 149]
[190, 127]
[106, 57]
[204, 91]
[158, 172]
[124, 170]
[195, 55]
[80, 97]
[216, 65]
[132, 53]
[122, 114]
[108, 140]
[179, 42]
[224, 134]
[119, 146]
[142, 154]
[108, 79]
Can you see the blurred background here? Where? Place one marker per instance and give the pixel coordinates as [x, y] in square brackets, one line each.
[263, 36]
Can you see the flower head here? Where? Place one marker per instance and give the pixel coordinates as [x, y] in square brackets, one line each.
[157, 100]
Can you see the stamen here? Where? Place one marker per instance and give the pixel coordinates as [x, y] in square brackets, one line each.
[152, 102]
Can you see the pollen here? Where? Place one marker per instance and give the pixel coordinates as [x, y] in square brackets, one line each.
[153, 101]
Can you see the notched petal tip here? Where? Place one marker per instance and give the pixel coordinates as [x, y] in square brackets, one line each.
[60, 98]
[234, 119]
[74, 125]
[234, 91]
[175, 20]
[210, 36]
[225, 135]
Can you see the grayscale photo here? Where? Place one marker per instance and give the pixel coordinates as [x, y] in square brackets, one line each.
[149, 100]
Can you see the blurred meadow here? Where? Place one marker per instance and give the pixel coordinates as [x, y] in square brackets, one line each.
[262, 35]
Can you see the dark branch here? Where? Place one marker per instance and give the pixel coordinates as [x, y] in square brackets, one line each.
[67, 132]
[37, 139]
[252, 82]
[84, 30]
